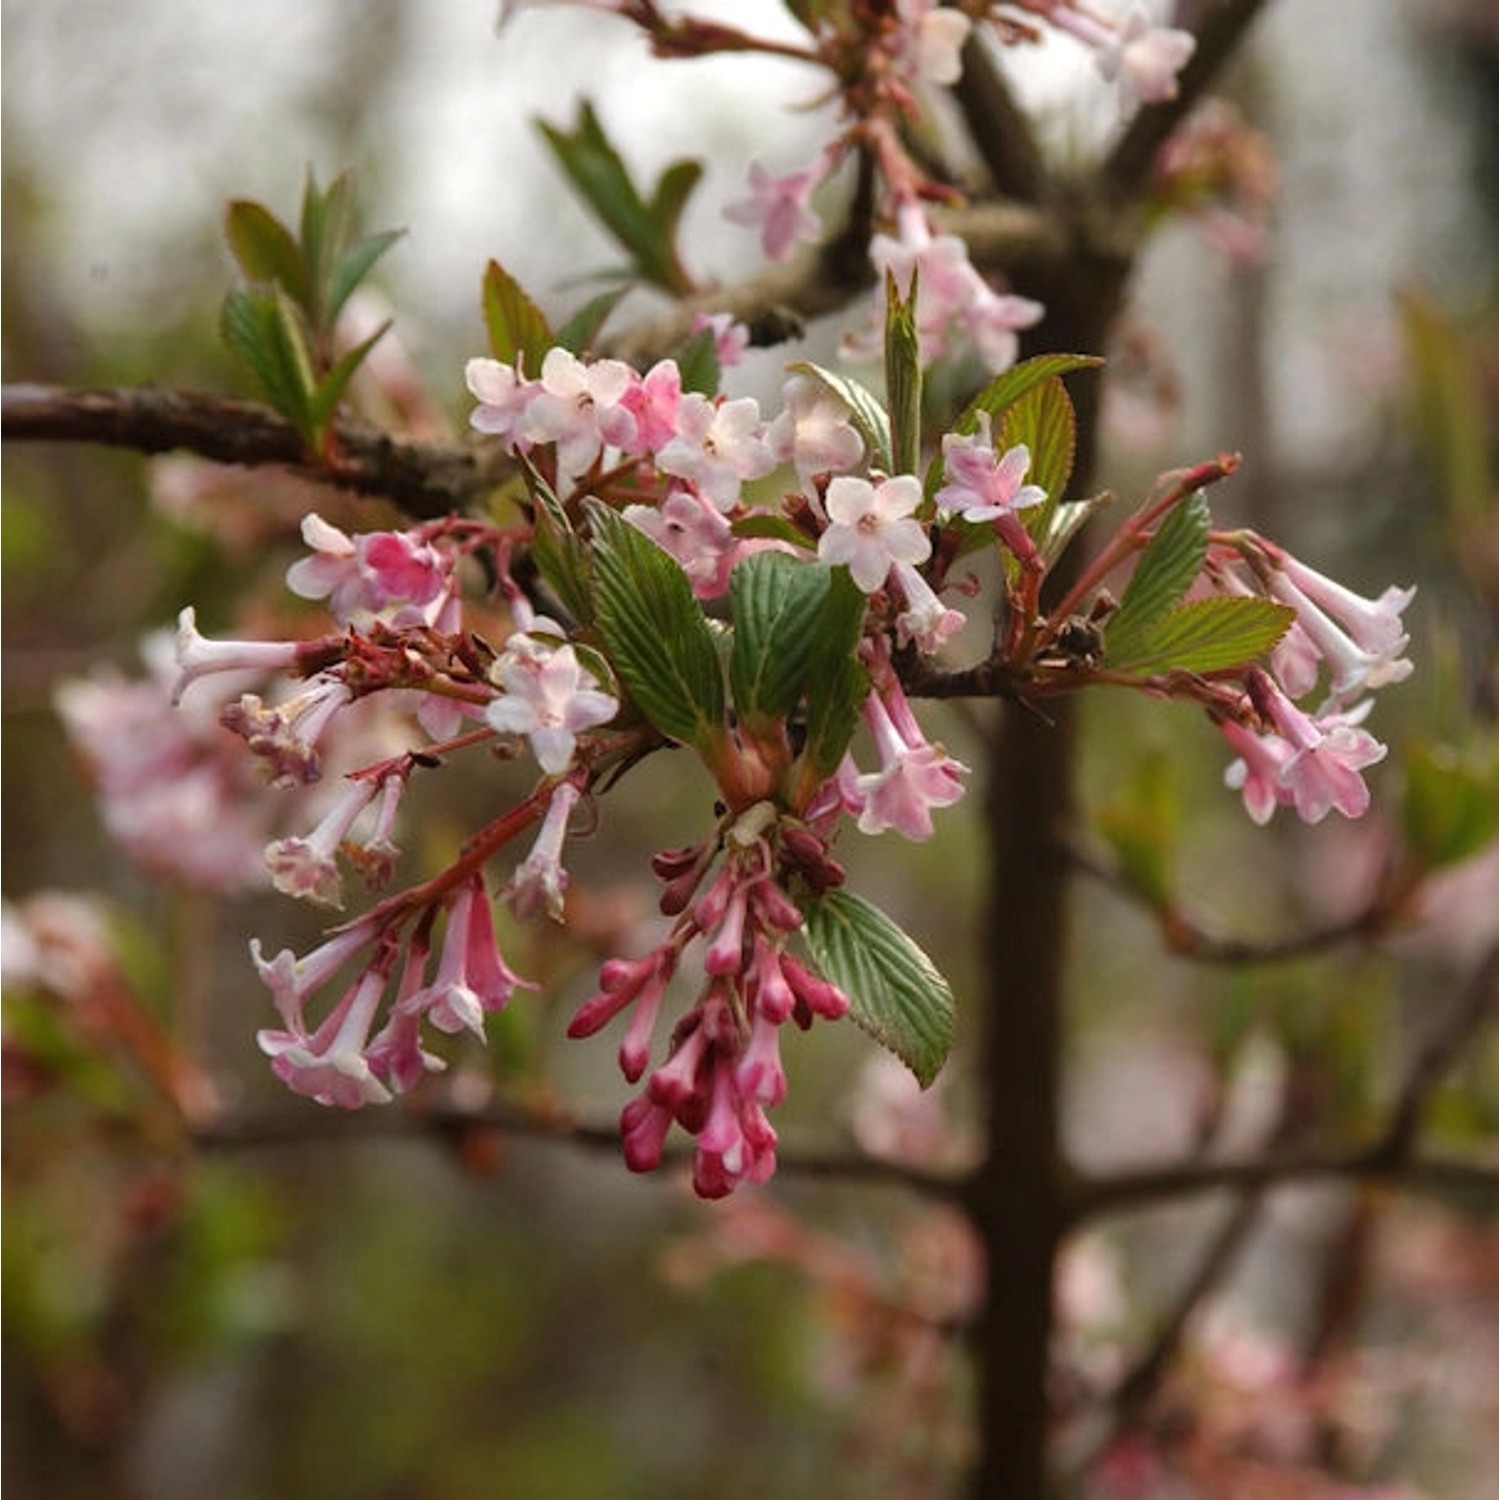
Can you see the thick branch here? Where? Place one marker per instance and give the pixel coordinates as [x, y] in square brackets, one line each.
[998, 126]
[424, 479]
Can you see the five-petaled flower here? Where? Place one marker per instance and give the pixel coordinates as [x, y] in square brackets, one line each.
[550, 697]
[871, 527]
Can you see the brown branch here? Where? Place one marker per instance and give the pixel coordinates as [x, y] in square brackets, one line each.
[998, 126]
[425, 479]
[1391, 1156]
[283, 1125]
[1219, 25]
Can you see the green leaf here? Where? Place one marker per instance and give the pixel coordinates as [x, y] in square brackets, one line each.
[265, 250]
[1142, 825]
[903, 375]
[327, 223]
[355, 266]
[1207, 635]
[1043, 419]
[865, 412]
[837, 685]
[775, 603]
[657, 636]
[515, 324]
[262, 328]
[698, 363]
[577, 335]
[1449, 806]
[599, 173]
[896, 993]
[1163, 574]
[1064, 522]
[331, 388]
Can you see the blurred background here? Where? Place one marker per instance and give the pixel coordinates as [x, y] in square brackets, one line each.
[392, 1314]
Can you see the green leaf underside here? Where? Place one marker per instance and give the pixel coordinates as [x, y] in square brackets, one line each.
[356, 265]
[865, 412]
[1206, 635]
[514, 323]
[1163, 574]
[775, 605]
[658, 638]
[896, 994]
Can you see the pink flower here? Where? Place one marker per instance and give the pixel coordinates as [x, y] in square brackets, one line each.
[286, 735]
[291, 979]
[581, 408]
[691, 530]
[731, 338]
[472, 978]
[871, 527]
[653, 401]
[371, 574]
[932, 40]
[719, 445]
[926, 620]
[504, 396]
[307, 868]
[813, 431]
[540, 880]
[1144, 59]
[1256, 773]
[777, 206]
[913, 778]
[197, 656]
[549, 697]
[329, 1065]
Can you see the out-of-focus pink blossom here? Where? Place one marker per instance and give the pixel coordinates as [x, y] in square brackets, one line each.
[1144, 59]
[813, 431]
[778, 208]
[504, 395]
[933, 39]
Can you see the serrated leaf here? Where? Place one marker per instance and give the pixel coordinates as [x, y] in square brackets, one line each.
[1141, 827]
[775, 603]
[903, 375]
[1163, 574]
[1449, 806]
[255, 324]
[766, 523]
[1042, 419]
[865, 412]
[1206, 635]
[577, 335]
[698, 363]
[1064, 523]
[896, 993]
[325, 398]
[656, 634]
[264, 248]
[355, 265]
[599, 173]
[559, 555]
[515, 324]
[838, 684]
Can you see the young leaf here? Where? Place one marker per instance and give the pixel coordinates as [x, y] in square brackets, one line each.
[1207, 635]
[658, 638]
[515, 324]
[577, 335]
[903, 376]
[1164, 573]
[896, 993]
[327, 222]
[865, 412]
[259, 325]
[698, 363]
[355, 266]
[265, 250]
[331, 388]
[775, 603]
[601, 177]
